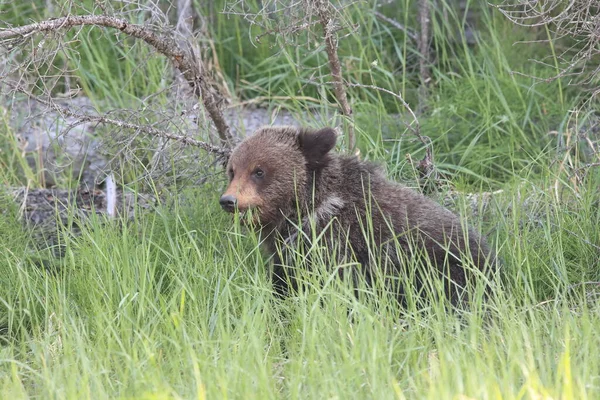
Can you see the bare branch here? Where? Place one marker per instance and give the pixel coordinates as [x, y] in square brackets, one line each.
[86, 118]
[417, 130]
[328, 24]
[397, 24]
[423, 46]
[576, 20]
[185, 61]
[426, 166]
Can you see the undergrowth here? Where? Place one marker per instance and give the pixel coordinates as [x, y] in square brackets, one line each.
[177, 304]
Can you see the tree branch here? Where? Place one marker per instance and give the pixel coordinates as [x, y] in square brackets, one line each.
[426, 166]
[326, 20]
[82, 118]
[398, 25]
[184, 61]
[423, 46]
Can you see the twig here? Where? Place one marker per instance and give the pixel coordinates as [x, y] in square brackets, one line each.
[576, 285]
[576, 235]
[588, 166]
[259, 99]
[576, 20]
[219, 151]
[426, 166]
[185, 61]
[423, 45]
[397, 24]
[417, 130]
[327, 22]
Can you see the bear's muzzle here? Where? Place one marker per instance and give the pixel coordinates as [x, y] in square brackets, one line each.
[228, 202]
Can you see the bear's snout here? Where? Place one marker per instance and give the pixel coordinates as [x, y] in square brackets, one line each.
[228, 202]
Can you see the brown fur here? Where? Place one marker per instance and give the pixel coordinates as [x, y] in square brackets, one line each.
[304, 185]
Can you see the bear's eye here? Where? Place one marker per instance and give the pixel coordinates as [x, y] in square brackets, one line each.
[259, 173]
[230, 173]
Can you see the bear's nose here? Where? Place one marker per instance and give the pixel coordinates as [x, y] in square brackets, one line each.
[228, 202]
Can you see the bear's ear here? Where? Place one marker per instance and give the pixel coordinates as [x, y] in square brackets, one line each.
[316, 144]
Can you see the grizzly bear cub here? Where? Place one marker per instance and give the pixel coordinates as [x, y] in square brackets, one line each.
[287, 183]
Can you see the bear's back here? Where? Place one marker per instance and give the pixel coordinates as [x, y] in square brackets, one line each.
[393, 212]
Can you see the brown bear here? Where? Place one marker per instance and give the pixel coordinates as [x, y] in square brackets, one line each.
[286, 182]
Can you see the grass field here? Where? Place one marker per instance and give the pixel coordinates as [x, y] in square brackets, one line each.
[176, 303]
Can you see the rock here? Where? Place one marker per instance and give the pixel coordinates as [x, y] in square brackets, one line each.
[56, 144]
[45, 211]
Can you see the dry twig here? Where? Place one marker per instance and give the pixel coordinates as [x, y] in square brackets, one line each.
[86, 118]
[578, 20]
[426, 166]
[185, 61]
[398, 25]
[327, 22]
[423, 45]
[288, 19]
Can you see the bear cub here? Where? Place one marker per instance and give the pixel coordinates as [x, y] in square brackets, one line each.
[288, 184]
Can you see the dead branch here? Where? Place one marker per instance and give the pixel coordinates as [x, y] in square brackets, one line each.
[426, 166]
[185, 28]
[86, 118]
[423, 46]
[329, 33]
[397, 25]
[577, 20]
[415, 130]
[288, 19]
[185, 61]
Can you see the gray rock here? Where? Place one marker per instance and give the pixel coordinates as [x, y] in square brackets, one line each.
[57, 145]
[45, 211]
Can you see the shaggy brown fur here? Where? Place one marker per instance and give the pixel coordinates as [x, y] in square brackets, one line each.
[292, 184]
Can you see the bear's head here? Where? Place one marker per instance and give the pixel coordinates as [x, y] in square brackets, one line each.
[270, 170]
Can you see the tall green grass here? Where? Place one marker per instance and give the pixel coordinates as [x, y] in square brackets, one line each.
[177, 304]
